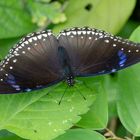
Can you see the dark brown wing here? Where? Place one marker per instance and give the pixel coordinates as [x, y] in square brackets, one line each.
[31, 64]
[95, 52]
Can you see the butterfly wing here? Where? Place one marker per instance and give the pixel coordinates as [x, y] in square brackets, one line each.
[95, 52]
[31, 64]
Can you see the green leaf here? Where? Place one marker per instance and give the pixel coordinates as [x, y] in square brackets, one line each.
[45, 1]
[97, 116]
[108, 15]
[15, 21]
[5, 45]
[128, 103]
[43, 13]
[129, 93]
[5, 135]
[136, 35]
[80, 134]
[37, 116]
[129, 27]
[110, 85]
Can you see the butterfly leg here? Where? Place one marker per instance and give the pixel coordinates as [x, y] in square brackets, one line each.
[80, 93]
[63, 95]
[84, 83]
[52, 89]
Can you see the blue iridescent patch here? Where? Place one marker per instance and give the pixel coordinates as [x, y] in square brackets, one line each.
[28, 89]
[11, 80]
[122, 57]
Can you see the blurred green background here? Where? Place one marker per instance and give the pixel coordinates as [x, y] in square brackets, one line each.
[116, 111]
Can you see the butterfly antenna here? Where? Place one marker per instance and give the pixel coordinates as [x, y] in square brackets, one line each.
[80, 93]
[63, 95]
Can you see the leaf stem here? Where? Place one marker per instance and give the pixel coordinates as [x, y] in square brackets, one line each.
[133, 138]
[112, 136]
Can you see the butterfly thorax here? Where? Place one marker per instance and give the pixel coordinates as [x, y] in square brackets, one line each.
[66, 66]
[70, 80]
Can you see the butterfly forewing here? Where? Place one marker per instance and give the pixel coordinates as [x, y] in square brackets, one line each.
[95, 52]
[41, 59]
[31, 64]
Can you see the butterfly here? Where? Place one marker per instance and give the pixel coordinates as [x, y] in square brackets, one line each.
[42, 59]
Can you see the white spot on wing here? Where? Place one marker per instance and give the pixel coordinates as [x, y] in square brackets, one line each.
[107, 41]
[114, 45]
[90, 37]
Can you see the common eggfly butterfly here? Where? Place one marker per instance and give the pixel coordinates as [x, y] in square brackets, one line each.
[42, 59]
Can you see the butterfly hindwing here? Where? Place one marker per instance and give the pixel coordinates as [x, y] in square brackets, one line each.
[41, 59]
[94, 52]
[31, 64]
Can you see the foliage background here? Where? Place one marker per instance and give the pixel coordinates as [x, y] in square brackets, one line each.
[112, 108]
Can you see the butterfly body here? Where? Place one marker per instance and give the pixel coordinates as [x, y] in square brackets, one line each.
[41, 59]
[66, 65]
